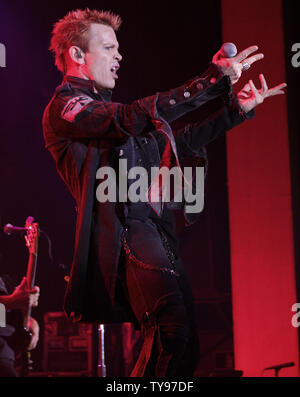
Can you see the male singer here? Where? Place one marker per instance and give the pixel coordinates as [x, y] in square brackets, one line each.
[126, 263]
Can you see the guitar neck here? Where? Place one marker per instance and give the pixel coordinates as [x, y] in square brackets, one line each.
[30, 276]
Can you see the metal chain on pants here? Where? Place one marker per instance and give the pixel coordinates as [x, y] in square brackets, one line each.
[146, 266]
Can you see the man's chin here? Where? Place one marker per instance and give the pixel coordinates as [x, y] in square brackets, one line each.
[110, 86]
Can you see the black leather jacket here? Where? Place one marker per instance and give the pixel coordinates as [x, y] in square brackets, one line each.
[85, 130]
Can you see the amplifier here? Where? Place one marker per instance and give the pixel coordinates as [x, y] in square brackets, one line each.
[68, 347]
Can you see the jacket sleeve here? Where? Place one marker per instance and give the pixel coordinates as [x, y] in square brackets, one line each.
[191, 139]
[75, 115]
[195, 93]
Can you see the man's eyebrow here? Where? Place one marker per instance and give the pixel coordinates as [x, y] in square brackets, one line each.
[111, 44]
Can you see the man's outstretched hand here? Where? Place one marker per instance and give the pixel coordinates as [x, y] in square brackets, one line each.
[250, 97]
[233, 67]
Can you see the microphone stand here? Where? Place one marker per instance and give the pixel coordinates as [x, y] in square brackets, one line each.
[278, 368]
[101, 368]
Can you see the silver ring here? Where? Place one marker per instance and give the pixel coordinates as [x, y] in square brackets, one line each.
[246, 66]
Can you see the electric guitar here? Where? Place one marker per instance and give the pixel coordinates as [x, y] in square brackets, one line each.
[31, 238]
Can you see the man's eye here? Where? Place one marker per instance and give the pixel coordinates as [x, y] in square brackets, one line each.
[108, 48]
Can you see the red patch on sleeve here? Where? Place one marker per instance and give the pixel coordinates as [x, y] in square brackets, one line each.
[74, 106]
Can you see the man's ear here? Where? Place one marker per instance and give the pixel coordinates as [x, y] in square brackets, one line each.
[77, 55]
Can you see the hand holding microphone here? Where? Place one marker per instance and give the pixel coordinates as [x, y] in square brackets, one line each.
[233, 64]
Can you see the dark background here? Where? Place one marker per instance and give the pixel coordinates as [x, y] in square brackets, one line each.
[291, 27]
[291, 11]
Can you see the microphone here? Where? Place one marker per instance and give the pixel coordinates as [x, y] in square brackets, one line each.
[10, 229]
[228, 50]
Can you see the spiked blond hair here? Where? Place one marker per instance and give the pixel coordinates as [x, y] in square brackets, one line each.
[72, 30]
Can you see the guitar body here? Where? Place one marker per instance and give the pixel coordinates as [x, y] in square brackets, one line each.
[22, 336]
[20, 340]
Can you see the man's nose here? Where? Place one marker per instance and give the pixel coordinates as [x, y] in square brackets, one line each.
[118, 56]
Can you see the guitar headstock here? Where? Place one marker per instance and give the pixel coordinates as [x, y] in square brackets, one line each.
[32, 235]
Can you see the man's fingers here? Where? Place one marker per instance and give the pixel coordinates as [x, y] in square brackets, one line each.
[263, 83]
[279, 87]
[253, 59]
[253, 88]
[23, 284]
[217, 57]
[33, 301]
[27, 241]
[243, 94]
[258, 97]
[244, 54]
[245, 91]
[278, 90]
[275, 92]
[34, 291]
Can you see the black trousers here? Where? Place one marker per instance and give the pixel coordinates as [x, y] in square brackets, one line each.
[158, 291]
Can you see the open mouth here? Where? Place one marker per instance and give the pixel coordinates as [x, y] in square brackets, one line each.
[114, 70]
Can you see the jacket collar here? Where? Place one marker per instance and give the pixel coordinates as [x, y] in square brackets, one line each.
[78, 82]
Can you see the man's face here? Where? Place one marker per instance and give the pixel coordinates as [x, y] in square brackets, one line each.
[102, 58]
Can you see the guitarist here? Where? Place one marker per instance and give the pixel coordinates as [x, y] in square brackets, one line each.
[20, 299]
